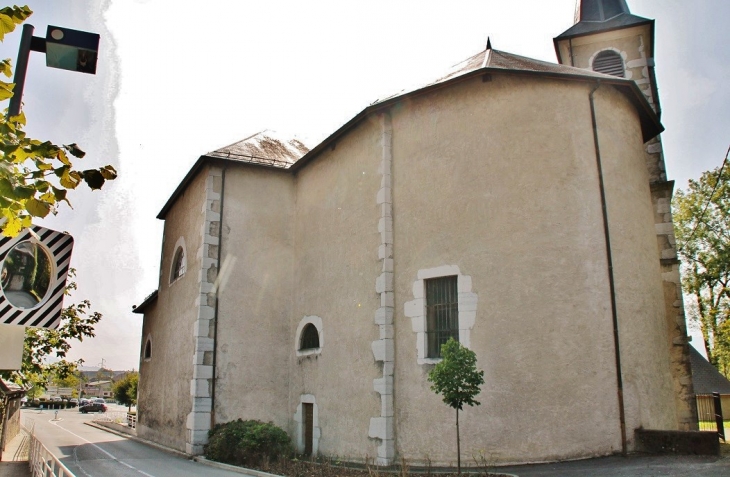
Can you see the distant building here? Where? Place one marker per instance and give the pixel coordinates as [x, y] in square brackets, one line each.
[98, 389]
[519, 206]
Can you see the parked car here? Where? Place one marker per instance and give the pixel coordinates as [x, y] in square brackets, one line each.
[73, 402]
[93, 407]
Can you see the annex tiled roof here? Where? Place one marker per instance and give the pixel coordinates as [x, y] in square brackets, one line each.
[266, 148]
[707, 379]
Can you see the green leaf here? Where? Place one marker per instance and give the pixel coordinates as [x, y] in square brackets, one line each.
[37, 208]
[93, 178]
[74, 150]
[5, 68]
[108, 172]
[6, 90]
[7, 25]
[23, 192]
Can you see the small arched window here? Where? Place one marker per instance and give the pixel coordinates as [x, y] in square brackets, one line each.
[178, 265]
[148, 349]
[610, 63]
[310, 338]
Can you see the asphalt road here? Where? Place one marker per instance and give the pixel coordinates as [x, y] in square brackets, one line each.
[91, 452]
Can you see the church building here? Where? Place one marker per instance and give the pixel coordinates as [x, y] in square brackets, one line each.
[519, 206]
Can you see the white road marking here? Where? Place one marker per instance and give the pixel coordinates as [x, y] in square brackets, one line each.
[102, 450]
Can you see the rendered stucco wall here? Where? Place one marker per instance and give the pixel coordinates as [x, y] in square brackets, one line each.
[253, 339]
[164, 387]
[635, 47]
[645, 359]
[337, 242]
[499, 179]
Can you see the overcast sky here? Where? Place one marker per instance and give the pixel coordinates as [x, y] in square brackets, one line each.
[178, 78]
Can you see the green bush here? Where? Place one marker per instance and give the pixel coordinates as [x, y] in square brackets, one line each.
[247, 443]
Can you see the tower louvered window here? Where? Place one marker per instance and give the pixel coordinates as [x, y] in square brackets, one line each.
[609, 63]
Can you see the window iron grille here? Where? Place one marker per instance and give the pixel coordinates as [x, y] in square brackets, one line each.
[442, 313]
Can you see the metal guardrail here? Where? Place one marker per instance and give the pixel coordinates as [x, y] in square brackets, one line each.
[41, 461]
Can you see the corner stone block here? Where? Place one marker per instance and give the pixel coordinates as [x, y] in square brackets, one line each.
[386, 332]
[383, 350]
[467, 319]
[384, 316]
[387, 299]
[202, 328]
[386, 405]
[383, 196]
[388, 368]
[385, 224]
[191, 449]
[385, 251]
[198, 421]
[203, 344]
[388, 265]
[202, 372]
[386, 452]
[379, 428]
[198, 437]
[199, 388]
[418, 324]
[383, 385]
[378, 347]
[202, 404]
[384, 283]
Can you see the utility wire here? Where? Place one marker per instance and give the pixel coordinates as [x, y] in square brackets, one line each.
[709, 199]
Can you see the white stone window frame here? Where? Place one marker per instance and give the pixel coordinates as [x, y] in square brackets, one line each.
[416, 308]
[179, 245]
[299, 420]
[147, 342]
[315, 321]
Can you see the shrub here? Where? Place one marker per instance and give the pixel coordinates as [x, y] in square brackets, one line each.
[247, 443]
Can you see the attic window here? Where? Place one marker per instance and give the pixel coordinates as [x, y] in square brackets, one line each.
[310, 338]
[178, 265]
[610, 63]
[148, 350]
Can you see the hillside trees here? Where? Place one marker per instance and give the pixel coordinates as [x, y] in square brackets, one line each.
[702, 229]
[125, 390]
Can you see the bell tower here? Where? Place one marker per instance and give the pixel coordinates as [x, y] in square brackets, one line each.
[609, 39]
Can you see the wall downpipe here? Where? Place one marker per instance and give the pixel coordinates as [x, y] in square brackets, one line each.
[215, 312]
[612, 286]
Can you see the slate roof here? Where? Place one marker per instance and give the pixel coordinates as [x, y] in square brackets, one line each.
[707, 379]
[602, 15]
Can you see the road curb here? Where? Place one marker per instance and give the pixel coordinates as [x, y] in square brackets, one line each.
[169, 450]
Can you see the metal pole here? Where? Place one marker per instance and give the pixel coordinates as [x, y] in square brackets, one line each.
[20, 69]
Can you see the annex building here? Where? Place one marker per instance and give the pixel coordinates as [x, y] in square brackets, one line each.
[518, 205]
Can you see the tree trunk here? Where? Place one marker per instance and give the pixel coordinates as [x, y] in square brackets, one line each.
[458, 444]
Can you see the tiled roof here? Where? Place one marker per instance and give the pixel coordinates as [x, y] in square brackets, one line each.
[707, 379]
[501, 60]
[266, 148]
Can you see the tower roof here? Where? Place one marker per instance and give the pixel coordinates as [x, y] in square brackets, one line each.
[593, 16]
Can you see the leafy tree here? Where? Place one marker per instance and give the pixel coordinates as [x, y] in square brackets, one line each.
[125, 390]
[457, 379]
[35, 176]
[702, 229]
[42, 344]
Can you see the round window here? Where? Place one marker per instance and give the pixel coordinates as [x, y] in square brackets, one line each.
[26, 275]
